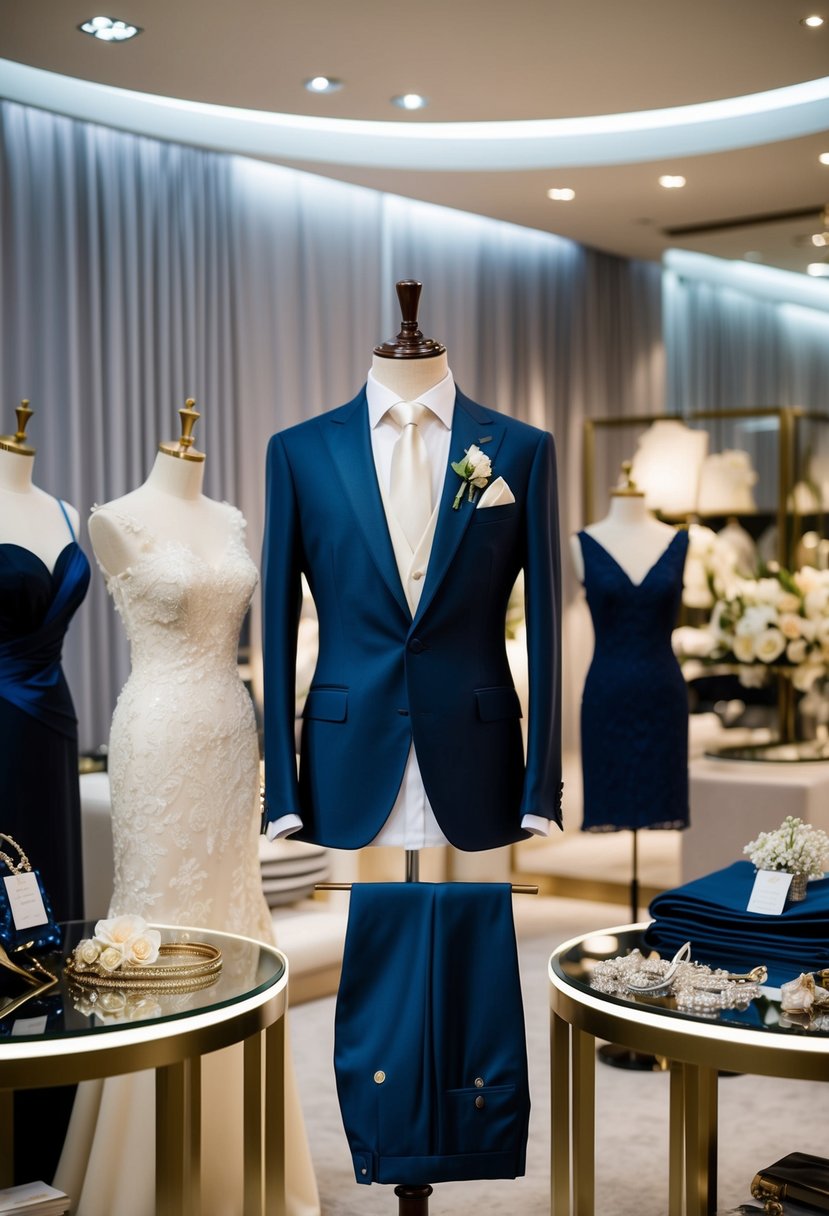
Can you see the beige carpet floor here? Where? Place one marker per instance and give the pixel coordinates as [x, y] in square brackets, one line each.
[761, 1118]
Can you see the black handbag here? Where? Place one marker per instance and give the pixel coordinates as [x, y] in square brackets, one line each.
[36, 930]
[800, 1177]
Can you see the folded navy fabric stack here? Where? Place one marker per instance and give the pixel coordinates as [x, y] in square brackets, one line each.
[710, 912]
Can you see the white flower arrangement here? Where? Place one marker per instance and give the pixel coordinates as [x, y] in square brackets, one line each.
[710, 568]
[779, 619]
[795, 847]
[474, 470]
[117, 942]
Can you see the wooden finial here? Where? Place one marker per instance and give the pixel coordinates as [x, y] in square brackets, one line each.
[409, 343]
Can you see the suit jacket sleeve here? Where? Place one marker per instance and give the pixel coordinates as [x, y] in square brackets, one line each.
[282, 599]
[542, 590]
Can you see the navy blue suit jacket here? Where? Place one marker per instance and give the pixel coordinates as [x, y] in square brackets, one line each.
[384, 679]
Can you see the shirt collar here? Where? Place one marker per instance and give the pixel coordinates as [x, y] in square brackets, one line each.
[440, 399]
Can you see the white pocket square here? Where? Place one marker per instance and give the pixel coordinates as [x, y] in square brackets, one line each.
[498, 494]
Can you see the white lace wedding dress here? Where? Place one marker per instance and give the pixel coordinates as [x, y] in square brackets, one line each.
[184, 773]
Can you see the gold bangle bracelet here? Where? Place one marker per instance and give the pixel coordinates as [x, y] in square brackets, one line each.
[170, 977]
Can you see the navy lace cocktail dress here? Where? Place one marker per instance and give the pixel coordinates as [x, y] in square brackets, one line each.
[634, 714]
[39, 792]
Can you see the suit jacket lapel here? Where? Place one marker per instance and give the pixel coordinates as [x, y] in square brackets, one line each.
[470, 424]
[347, 435]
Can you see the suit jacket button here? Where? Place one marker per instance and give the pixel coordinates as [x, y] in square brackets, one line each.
[417, 574]
[379, 1077]
[416, 646]
[480, 1102]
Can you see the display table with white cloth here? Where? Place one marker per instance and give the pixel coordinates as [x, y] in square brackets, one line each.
[733, 800]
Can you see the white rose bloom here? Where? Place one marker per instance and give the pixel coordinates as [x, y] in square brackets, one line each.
[481, 466]
[796, 651]
[743, 646]
[816, 602]
[88, 951]
[755, 620]
[143, 949]
[806, 579]
[111, 958]
[789, 602]
[789, 624]
[767, 591]
[808, 629]
[119, 930]
[770, 645]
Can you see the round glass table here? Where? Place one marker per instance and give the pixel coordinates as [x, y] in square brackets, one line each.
[68, 1034]
[760, 1039]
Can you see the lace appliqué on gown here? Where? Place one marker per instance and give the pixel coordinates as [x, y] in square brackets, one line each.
[183, 753]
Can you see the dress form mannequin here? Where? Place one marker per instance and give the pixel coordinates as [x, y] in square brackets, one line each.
[29, 517]
[629, 532]
[44, 576]
[192, 520]
[184, 776]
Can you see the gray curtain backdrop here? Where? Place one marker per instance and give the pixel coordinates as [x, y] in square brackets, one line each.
[135, 273]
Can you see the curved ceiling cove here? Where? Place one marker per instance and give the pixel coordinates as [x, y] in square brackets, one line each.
[643, 135]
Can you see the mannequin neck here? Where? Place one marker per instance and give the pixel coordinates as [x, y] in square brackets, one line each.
[627, 511]
[410, 378]
[172, 475]
[16, 472]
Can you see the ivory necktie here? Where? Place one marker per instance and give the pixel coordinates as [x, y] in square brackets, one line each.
[410, 491]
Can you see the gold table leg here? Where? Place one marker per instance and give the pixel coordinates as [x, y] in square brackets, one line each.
[676, 1139]
[560, 1116]
[584, 1122]
[700, 1105]
[6, 1137]
[254, 1125]
[275, 1119]
[178, 1139]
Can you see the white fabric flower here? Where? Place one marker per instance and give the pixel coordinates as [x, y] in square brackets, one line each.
[87, 951]
[119, 930]
[143, 948]
[111, 958]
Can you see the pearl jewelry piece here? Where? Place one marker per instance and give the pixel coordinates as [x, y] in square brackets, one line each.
[695, 987]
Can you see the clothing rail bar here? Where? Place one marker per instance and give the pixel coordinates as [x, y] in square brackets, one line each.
[517, 888]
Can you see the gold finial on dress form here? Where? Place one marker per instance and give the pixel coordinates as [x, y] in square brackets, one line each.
[628, 487]
[17, 442]
[183, 446]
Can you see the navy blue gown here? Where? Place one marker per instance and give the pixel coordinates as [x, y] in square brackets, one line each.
[634, 713]
[39, 792]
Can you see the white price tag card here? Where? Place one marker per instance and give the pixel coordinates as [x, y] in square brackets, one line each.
[25, 901]
[769, 892]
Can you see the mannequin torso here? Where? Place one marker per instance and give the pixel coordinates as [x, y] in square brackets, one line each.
[409, 377]
[630, 534]
[169, 505]
[29, 517]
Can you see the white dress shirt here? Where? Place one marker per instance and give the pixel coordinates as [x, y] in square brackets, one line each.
[411, 823]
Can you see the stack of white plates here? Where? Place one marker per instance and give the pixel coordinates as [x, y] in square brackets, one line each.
[33, 1199]
[289, 869]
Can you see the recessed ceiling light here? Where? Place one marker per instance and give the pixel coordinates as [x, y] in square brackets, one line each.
[410, 101]
[820, 239]
[672, 181]
[824, 158]
[561, 194]
[323, 84]
[109, 29]
[813, 22]
[818, 270]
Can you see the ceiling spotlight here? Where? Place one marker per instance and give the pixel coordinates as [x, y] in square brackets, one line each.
[813, 22]
[824, 158]
[820, 239]
[672, 181]
[109, 29]
[410, 101]
[562, 194]
[818, 270]
[323, 84]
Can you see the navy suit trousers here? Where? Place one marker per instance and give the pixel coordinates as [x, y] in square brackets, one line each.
[430, 1051]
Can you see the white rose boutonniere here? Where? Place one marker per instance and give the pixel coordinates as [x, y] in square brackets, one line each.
[475, 470]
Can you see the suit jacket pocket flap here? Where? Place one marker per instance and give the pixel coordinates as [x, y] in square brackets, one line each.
[326, 704]
[497, 703]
